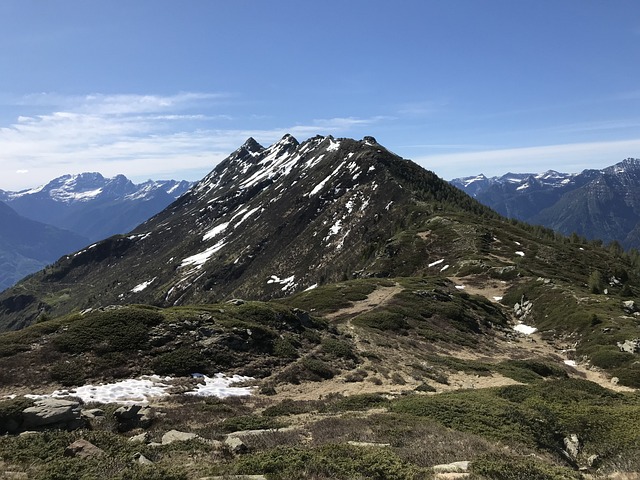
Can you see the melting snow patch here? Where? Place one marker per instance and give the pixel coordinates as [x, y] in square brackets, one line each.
[520, 253]
[497, 299]
[286, 282]
[437, 262]
[215, 231]
[315, 285]
[444, 268]
[571, 363]
[152, 386]
[460, 287]
[333, 146]
[525, 329]
[200, 259]
[143, 285]
[219, 386]
[335, 229]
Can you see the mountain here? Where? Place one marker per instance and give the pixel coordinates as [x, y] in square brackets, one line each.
[93, 206]
[26, 246]
[384, 323]
[265, 222]
[595, 204]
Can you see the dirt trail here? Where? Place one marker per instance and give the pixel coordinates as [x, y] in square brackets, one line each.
[532, 345]
[379, 296]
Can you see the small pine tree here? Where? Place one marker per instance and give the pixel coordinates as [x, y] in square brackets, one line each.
[595, 282]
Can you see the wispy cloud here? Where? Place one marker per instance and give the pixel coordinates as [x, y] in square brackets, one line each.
[148, 136]
[571, 158]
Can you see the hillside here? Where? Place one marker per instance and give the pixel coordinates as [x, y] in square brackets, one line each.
[390, 325]
[27, 246]
[594, 204]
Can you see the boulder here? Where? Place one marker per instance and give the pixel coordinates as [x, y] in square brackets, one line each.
[453, 467]
[83, 449]
[572, 446]
[176, 436]
[134, 416]
[236, 445]
[53, 413]
[629, 306]
[630, 346]
[143, 437]
[141, 459]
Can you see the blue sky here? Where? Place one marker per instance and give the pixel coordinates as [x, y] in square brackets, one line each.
[166, 89]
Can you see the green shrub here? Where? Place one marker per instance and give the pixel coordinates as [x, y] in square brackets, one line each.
[382, 320]
[527, 371]
[509, 467]
[249, 422]
[318, 368]
[610, 357]
[337, 348]
[425, 387]
[119, 330]
[289, 407]
[364, 401]
[284, 348]
[180, 362]
[336, 461]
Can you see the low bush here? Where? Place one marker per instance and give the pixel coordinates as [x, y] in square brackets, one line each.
[120, 330]
[180, 362]
[510, 467]
[331, 461]
[382, 320]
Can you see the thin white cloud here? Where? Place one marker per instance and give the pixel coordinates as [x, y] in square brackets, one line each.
[146, 136]
[571, 158]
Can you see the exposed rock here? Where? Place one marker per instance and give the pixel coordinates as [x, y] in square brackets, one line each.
[368, 444]
[53, 413]
[127, 412]
[83, 449]
[134, 416]
[630, 346]
[593, 461]
[453, 467]
[629, 306]
[140, 438]
[141, 459]
[93, 413]
[236, 445]
[572, 445]
[176, 436]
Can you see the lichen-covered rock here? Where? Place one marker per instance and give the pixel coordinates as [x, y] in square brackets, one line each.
[53, 413]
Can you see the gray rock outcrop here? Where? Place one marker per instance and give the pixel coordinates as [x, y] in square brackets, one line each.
[53, 413]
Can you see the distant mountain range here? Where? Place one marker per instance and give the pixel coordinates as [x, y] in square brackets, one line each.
[70, 212]
[595, 204]
[94, 206]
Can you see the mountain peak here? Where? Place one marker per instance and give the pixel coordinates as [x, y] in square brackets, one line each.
[251, 145]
